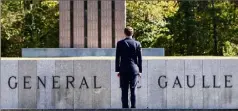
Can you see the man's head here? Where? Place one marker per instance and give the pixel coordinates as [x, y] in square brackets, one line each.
[128, 31]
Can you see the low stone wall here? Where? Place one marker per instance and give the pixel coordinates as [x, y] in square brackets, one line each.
[84, 83]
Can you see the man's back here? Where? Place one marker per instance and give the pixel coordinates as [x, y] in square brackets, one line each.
[129, 66]
[128, 56]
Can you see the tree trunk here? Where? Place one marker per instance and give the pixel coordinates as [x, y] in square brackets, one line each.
[214, 29]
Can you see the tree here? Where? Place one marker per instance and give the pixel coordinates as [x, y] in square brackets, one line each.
[202, 28]
[186, 27]
[32, 27]
[148, 19]
[181, 27]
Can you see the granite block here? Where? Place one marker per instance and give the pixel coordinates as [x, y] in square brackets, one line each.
[193, 79]
[101, 72]
[157, 81]
[27, 90]
[63, 96]
[211, 96]
[45, 93]
[175, 91]
[229, 93]
[9, 74]
[83, 92]
[142, 87]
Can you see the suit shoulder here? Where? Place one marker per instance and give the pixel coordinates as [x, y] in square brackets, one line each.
[120, 41]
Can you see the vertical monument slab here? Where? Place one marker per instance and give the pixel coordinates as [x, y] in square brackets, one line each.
[175, 92]
[156, 94]
[92, 23]
[64, 97]
[106, 23]
[64, 10]
[27, 84]
[9, 97]
[120, 19]
[78, 24]
[45, 94]
[211, 96]
[193, 78]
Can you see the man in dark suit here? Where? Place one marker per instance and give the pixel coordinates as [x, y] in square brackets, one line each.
[129, 66]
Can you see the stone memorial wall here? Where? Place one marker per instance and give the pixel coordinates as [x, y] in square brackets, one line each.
[82, 83]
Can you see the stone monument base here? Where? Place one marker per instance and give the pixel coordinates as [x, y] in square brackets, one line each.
[77, 52]
[92, 83]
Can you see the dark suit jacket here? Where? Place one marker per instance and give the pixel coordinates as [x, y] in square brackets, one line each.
[128, 56]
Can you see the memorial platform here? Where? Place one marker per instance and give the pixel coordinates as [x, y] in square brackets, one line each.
[79, 52]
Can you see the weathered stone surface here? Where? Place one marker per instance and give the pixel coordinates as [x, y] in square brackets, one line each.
[229, 96]
[142, 87]
[193, 95]
[96, 93]
[101, 78]
[156, 94]
[106, 92]
[45, 94]
[115, 88]
[175, 92]
[27, 94]
[211, 96]
[79, 52]
[9, 97]
[119, 110]
[63, 97]
[83, 96]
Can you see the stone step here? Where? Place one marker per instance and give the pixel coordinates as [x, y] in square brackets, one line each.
[119, 110]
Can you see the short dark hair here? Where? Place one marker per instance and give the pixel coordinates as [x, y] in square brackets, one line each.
[128, 31]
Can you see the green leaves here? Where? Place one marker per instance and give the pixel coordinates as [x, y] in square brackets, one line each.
[185, 27]
[34, 27]
[148, 19]
[181, 27]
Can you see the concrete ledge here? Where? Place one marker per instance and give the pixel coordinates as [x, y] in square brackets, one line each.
[113, 58]
[78, 52]
[119, 110]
